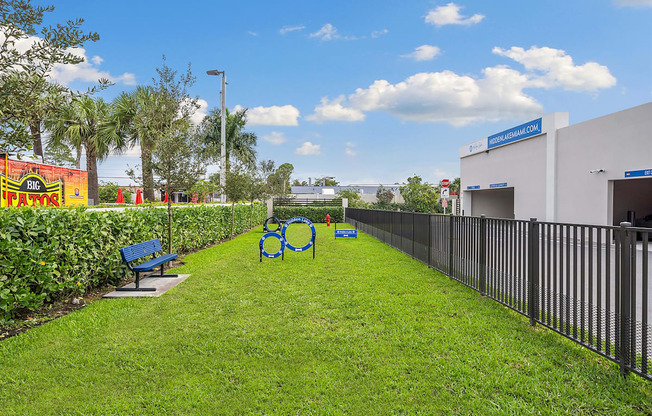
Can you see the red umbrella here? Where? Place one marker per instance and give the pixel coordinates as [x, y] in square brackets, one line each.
[166, 197]
[121, 198]
[139, 198]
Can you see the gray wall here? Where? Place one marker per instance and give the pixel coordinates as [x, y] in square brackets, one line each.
[494, 203]
[522, 165]
[632, 195]
[616, 143]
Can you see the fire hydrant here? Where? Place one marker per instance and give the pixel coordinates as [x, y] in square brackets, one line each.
[328, 220]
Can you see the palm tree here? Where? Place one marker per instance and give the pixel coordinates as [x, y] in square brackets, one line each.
[86, 122]
[135, 118]
[239, 143]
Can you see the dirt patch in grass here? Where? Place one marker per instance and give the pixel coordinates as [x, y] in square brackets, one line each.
[31, 319]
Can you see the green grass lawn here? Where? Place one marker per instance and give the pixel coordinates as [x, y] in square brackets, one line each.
[362, 329]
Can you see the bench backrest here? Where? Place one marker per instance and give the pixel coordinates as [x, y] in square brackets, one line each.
[137, 251]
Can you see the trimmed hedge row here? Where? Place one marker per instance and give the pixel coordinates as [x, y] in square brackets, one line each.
[314, 214]
[48, 253]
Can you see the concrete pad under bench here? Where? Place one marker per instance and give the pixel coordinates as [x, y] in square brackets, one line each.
[161, 284]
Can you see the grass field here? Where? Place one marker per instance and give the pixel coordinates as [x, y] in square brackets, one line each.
[362, 329]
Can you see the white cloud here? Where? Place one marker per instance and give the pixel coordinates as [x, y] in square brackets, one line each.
[308, 149]
[285, 115]
[378, 33]
[288, 29]
[450, 15]
[558, 69]
[200, 113]
[327, 32]
[275, 138]
[423, 53]
[252, 33]
[462, 99]
[87, 71]
[334, 110]
[349, 151]
[633, 3]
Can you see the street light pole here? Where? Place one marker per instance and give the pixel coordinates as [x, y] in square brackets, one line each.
[222, 133]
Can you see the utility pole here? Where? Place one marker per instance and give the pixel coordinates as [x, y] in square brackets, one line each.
[222, 133]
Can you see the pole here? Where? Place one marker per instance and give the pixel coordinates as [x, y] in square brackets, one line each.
[223, 140]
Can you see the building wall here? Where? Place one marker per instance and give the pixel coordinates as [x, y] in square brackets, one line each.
[617, 143]
[521, 165]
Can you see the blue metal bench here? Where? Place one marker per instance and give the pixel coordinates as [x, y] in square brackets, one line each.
[138, 251]
[345, 233]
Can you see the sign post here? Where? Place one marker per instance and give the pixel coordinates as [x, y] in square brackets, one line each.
[445, 193]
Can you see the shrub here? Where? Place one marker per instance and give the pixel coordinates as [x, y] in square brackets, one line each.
[48, 253]
[314, 214]
[109, 193]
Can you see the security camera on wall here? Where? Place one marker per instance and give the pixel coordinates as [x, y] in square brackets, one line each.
[596, 171]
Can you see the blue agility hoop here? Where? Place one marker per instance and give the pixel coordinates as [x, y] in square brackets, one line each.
[262, 249]
[278, 225]
[305, 221]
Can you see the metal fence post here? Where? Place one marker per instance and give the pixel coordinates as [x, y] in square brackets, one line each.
[483, 255]
[625, 296]
[533, 270]
[450, 245]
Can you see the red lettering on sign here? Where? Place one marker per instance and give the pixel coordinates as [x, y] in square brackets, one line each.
[54, 200]
[35, 198]
[22, 200]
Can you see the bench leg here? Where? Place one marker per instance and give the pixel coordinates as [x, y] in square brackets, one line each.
[162, 275]
[137, 288]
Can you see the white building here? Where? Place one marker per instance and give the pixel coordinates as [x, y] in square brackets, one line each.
[595, 172]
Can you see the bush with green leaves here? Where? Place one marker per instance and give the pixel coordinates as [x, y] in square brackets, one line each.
[109, 193]
[314, 214]
[49, 253]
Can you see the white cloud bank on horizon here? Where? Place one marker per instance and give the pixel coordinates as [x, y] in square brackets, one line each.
[423, 53]
[286, 115]
[450, 15]
[462, 99]
[307, 149]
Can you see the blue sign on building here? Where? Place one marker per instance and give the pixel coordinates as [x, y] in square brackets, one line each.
[473, 187]
[498, 185]
[514, 134]
[637, 173]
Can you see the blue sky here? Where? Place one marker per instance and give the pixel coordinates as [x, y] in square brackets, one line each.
[376, 91]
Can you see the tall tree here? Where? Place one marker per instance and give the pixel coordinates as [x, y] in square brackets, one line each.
[178, 152]
[239, 143]
[418, 195]
[28, 52]
[86, 122]
[135, 114]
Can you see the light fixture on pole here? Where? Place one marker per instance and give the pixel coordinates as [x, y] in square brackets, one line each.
[222, 134]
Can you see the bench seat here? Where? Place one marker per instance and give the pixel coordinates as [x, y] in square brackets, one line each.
[153, 263]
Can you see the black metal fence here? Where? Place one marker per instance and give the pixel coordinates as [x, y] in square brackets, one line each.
[588, 283]
[303, 202]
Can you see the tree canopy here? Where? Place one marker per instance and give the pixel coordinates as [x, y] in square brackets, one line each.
[29, 49]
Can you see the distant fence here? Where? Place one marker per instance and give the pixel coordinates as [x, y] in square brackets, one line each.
[588, 283]
[303, 202]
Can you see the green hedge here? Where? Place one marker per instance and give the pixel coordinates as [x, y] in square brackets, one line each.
[48, 253]
[314, 214]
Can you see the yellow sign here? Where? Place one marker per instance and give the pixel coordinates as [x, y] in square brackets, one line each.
[24, 183]
[31, 190]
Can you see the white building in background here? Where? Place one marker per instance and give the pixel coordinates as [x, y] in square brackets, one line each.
[367, 192]
[595, 172]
